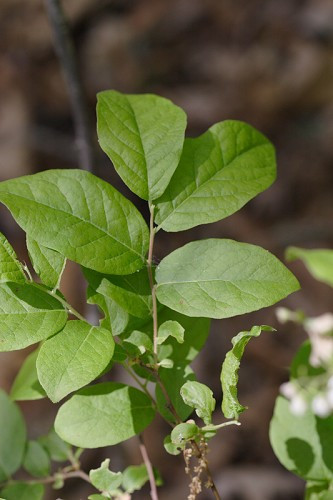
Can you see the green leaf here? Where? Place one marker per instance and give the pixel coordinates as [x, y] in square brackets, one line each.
[48, 264]
[136, 476]
[104, 415]
[303, 444]
[73, 358]
[23, 491]
[300, 365]
[170, 447]
[318, 262]
[217, 174]
[140, 341]
[10, 267]
[200, 397]
[143, 136]
[26, 385]
[36, 461]
[229, 374]
[58, 449]
[170, 329]
[184, 432]
[173, 380]
[12, 437]
[222, 278]
[104, 479]
[318, 491]
[80, 216]
[28, 314]
[132, 293]
[115, 317]
[195, 336]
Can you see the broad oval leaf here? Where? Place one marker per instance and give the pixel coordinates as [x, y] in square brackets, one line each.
[28, 314]
[104, 415]
[12, 437]
[218, 173]
[319, 262]
[26, 385]
[222, 278]
[303, 444]
[229, 374]
[80, 216]
[10, 267]
[48, 264]
[23, 491]
[143, 136]
[73, 358]
[170, 329]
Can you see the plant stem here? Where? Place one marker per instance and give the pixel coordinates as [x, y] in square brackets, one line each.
[64, 475]
[66, 305]
[213, 427]
[151, 279]
[66, 53]
[208, 473]
[138, 381]
[143, 450]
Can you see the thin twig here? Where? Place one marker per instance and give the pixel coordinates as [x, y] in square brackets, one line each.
[66, 53]
[63, 475]
[151, 279]
[144, 453]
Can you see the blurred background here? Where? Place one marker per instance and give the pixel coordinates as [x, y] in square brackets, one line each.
[266, 62]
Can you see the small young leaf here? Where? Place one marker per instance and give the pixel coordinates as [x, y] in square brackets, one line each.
[23, 491]
[170, 328]
[229, 374]
[10, 267]
[104, 415]
[104, 479]
[27, 315]
[80, 216]
[58, 449]
[48, 264]
[138, 342]
[36, 461]
[200, 397]
[143, 136]
[184, 432]
[170, 447]
[166, 363]
[228, 278]
[173, 380]
[12, 437]
[136, 476]
[217, 174]
[132, 293]
[318, 262]
[26, 385]
[73, 358]
[115, 317]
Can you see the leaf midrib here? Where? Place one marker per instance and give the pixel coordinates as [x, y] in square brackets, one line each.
[38, 203]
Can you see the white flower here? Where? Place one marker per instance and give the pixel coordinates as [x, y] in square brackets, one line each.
[298, 405]
[288, 390]
[321, 406]
[319, 330]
